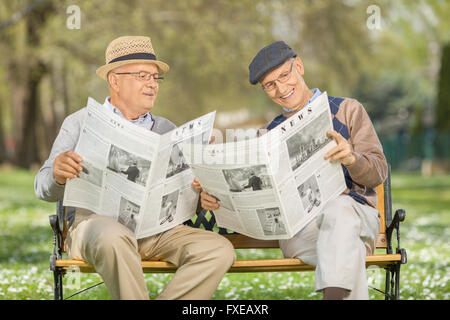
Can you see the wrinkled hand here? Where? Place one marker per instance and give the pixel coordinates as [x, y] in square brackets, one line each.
[197, 185]
[342, 152]
[66, 165]
[207, 201]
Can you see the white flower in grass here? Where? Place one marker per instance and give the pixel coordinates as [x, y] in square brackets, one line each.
[231, 293]
[224, 283]
[14, 290]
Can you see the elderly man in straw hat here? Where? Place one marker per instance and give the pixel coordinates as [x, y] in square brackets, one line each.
[348, 225]
[202, 257]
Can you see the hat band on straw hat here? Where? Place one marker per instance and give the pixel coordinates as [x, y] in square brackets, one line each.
[129, 50]
[135, 56]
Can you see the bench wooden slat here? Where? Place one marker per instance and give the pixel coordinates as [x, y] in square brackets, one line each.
[259, 265]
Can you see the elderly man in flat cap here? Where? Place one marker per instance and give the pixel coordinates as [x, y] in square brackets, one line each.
[339, 238]
[202, 257]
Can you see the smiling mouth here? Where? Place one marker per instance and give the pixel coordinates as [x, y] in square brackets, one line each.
[149, 94]
[287, 96]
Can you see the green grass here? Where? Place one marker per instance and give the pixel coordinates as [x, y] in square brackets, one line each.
[26, 243]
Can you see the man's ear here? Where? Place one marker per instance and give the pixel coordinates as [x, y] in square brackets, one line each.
[113, 81]
[299, 64]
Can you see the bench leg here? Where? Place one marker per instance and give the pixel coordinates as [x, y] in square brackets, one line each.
[397, 282]
[392, 288]
[58, 284]
[387, 285]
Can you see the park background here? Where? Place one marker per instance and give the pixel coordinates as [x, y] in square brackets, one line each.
[392, 56]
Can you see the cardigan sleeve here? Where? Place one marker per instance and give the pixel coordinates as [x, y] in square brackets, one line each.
[370, 167]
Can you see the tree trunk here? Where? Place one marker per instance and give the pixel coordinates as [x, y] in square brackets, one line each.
[27, 145]
[27, 72]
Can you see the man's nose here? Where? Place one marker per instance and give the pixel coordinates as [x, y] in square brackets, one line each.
[281, 87]
[151, 83]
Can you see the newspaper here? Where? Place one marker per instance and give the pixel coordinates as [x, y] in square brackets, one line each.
[133, 175]
[270, 187]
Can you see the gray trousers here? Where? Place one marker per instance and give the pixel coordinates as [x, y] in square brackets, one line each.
[337, 241]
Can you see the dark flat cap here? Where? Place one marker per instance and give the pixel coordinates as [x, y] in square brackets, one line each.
[269, 58]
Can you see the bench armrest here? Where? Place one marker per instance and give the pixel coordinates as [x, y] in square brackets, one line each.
[399, 216]
[55, 223]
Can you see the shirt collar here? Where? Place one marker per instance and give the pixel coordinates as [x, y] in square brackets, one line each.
[146, 117]
[316, 92]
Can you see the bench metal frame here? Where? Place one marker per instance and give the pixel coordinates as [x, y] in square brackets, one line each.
[390, 261]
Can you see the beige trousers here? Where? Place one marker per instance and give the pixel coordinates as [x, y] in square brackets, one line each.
[336, 242]
[202, 257]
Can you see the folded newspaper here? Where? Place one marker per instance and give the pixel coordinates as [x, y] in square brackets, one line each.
[270, 187]
[133, 175]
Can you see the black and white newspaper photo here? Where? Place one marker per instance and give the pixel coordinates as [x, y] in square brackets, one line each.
[134, 168]
[276, 193]
[168, 207]
[252, 178]
[310, 193]
[91, 174]
[271, 222]
[177, 163]
[134, 175]
[310, 139]
[128, 214]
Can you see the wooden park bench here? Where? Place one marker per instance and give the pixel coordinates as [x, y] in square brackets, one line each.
[389, 261]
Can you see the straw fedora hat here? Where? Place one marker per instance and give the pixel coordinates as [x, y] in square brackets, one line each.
[127, 50]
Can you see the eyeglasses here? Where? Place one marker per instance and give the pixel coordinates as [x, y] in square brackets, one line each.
[284, 77]
[144, 76]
